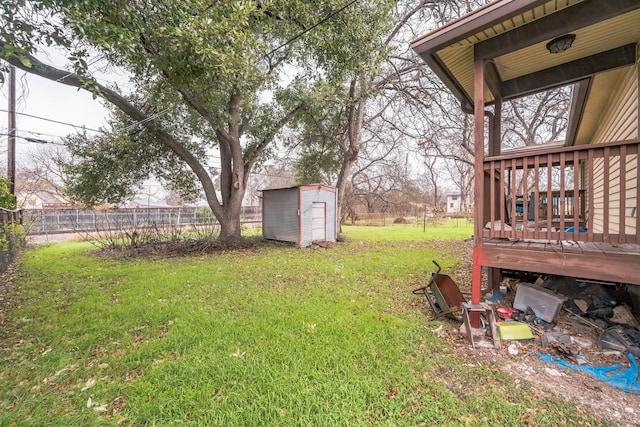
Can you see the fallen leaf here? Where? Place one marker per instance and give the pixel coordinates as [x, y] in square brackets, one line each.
[237, 354]
[89, 403]
[90, 382]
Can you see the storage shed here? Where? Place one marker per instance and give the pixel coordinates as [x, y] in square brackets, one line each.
[301, 214]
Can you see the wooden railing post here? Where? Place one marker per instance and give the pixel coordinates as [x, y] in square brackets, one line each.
[569, 204]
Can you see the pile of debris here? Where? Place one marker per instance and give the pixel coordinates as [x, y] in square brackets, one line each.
[582, 325]
[586, 326]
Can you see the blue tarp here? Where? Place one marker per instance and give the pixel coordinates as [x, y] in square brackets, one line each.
[625, 379]
[570, 230]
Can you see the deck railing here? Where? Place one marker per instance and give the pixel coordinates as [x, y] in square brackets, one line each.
[603, 176]
[560, 206]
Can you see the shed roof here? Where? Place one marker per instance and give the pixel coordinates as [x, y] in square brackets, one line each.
[511, 37]
[303, 186]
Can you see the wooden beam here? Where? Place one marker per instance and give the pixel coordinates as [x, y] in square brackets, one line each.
[541, 149]
[478, 141]
[493, 79]
[433, 61]
[578, 103]
[620, 268]
[556, 24]
[495, 133]
[478, 196]
[497, 201]
[570, 72]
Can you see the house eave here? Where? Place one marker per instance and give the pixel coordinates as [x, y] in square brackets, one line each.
[472, 23]
[510, 36]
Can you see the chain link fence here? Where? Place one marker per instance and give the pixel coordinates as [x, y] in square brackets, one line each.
[54, 221]
[12, 239]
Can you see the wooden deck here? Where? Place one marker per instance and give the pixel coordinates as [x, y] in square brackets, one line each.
[552, 177]
[598, 261]
[608, 247]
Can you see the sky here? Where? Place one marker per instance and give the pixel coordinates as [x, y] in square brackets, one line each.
[45, 99]
[39, 97]
[36, 96]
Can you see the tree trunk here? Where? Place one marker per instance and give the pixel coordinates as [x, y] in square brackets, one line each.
[230, 227]
[350, 143]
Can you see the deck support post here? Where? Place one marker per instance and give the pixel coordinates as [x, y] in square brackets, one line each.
[491, 209]
[494, 275]
[479, 259]
[476, 283]
[479, 175]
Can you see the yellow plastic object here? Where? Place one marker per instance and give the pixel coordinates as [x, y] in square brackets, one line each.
[514, 331]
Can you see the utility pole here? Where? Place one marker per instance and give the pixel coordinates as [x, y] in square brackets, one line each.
[11, 149]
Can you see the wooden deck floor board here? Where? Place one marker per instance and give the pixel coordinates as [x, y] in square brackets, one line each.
[597, 261]
[594, 247]
[570, 246]
[610, 249]
[630, 248]
[536, 246]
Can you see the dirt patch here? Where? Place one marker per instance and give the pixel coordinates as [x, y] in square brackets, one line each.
[611, 404]
[608, 403]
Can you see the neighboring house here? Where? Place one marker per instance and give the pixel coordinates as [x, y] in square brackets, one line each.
[41, 200]
[145, 202]
[456, 203]
[512, 48]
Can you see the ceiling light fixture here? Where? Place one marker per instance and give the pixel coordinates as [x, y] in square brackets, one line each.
[560, 44]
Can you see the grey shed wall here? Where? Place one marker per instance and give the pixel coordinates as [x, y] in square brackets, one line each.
[287, 213]
[280, 214]
[311, 194]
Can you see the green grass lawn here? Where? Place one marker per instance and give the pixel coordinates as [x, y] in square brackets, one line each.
[264, 337]
[456, 229]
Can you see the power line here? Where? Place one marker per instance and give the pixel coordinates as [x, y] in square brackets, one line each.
[141, 122]
[41, 141]
[54, 121]
[322, 21]
[41, 134]
[35, 140]
[156, 115]
[117, 131]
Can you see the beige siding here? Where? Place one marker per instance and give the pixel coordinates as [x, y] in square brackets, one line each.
[618, 123]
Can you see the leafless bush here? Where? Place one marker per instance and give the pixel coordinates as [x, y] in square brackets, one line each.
[126, 232]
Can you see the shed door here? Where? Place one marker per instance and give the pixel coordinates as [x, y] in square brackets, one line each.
[318, 223]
